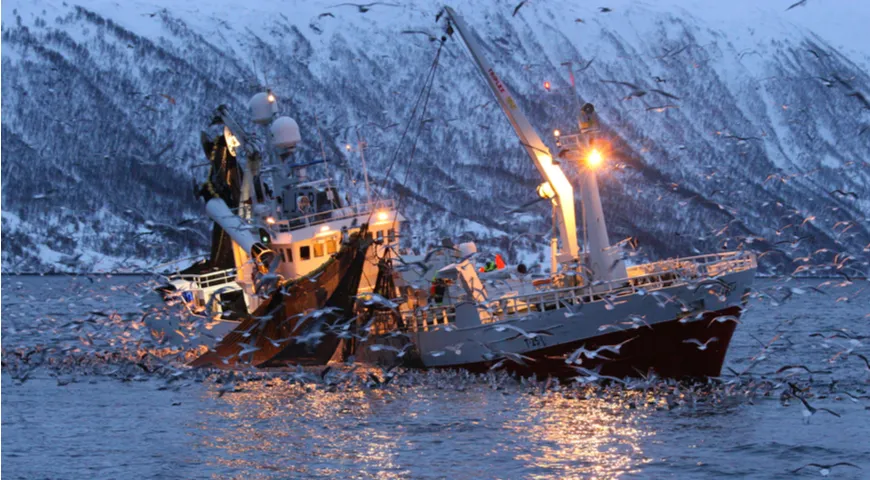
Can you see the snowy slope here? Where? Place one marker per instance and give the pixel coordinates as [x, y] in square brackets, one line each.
[103, 103]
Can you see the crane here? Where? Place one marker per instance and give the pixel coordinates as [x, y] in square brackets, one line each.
[556, 185]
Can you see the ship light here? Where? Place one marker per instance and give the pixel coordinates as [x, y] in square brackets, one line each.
[270, 220]
[383, 216]
[271, 97]
[232, 142]
[324, 228]
[594, 159]
[556, 133]
[547, 86]
[545, 190]
[347, 147]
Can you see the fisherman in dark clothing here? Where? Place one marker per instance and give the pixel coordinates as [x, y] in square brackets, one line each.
[437, 290]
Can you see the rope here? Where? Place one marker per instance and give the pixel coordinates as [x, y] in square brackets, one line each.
[420, 126]
[427, 87]
[425, 93]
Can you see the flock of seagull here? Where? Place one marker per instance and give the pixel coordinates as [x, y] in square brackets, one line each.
[75, 338]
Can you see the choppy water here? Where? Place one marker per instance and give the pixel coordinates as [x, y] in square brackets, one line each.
[79, 416]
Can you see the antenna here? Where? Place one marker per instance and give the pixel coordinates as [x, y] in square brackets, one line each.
[361, 144]
[333, 200]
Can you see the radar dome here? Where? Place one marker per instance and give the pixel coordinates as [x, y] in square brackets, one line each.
[263, 106]
[285, 133]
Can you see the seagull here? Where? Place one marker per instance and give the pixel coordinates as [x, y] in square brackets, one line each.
[661, 295]
[229, 388]
[431, 37]
[593, 376]
[701, 346]
[638, 321]
[247, 348]
[400, 352]
[518, 7]
[801, 3]
[629, 85]
[312, 337]
[664, 93]
[844, 194]
[376, 299]
[866, 362]
[363, 8]
[809, 410]
[604, 9]
[801, 367]
[723, 319]
[523, 333]
[661, 108]
[861, 98]
[825, 470]
[575, 355]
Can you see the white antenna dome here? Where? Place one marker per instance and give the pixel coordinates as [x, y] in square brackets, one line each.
[285, 133]
[263, 106]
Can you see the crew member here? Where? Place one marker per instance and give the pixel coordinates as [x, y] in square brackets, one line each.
[437, 290]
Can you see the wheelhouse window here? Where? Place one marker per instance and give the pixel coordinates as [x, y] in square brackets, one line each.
[318, 249]
[305, 252]
[391, 235]
[331, 246]
[289, 254]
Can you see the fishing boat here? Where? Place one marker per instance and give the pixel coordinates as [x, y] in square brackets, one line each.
[592, 316]
[283, 244]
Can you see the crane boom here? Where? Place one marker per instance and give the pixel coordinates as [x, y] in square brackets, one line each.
[535, 147]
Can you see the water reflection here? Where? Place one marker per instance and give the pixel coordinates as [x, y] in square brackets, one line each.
[276, 429]
[599, 437]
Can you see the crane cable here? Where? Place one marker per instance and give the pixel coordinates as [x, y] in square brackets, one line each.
[424, 97]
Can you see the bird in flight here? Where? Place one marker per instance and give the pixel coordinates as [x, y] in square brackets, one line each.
[664, 93]
[701, 346]
[844, 194]
[365, 7]
[798, 4]
[661, 108]
[809, 410]
[825, 470]
[518, 7]
[861, 98]
[431, 37]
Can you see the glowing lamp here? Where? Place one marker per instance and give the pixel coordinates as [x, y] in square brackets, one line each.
[270, 220]
[347, 147]
[547, 86]
[556, 133]
[324, 228]
[271, 97]
[383, 216]
[545, 190]
[594, 159]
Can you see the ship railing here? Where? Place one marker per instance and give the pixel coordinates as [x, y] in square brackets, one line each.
[210, 279]
[350, 211]
[665, 274]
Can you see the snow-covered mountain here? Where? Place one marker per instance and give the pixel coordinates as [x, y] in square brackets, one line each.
[103, 103]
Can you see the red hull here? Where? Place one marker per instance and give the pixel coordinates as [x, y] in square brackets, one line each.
[660, 349]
